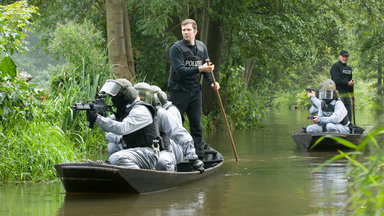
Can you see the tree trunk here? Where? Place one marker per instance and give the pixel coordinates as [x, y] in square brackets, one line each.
[248, 70]
[379, 79]
[128, 44]
[116, 33]
[215, 50]
[205, 23]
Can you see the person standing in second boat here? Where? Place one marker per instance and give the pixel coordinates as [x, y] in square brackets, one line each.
[341, 74]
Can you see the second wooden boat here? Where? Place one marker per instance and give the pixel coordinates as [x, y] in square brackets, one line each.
[306, 140]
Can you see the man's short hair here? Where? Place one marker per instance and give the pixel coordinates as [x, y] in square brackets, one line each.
[344, 53]
[189, 21]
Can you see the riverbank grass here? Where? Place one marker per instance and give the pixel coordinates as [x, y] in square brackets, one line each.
[30, 151]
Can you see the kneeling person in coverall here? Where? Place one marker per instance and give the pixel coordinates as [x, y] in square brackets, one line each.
[167, 160]
[170, 124]
[332, 114]
[134, 122]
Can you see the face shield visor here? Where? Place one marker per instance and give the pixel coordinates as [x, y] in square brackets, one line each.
[325, 94]
[110, 88]
[156, 100]
[145, 95]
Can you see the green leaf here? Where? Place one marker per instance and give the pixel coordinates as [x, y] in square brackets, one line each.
[8, 66]
[317, 142]
[344, 142]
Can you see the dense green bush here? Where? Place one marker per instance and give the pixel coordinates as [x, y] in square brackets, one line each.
[241, 106]
[284, 100]
[17, 99]
[81, 45]
[31, 141]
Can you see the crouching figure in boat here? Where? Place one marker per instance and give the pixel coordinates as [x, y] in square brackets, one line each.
[170, 124]
[176, 141]
[332, 115]
[131, 131]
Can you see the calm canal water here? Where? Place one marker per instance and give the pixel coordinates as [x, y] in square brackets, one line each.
[273, 177]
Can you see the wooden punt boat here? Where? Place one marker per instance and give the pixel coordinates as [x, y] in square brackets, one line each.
[305, 140]
[95, 177]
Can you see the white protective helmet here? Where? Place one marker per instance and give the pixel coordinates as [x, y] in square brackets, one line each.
[123, 86]
[327, 90]
[145, 92]
[162, 96]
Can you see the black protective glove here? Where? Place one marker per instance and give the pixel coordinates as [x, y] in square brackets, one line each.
[197, 165]
[91, 116]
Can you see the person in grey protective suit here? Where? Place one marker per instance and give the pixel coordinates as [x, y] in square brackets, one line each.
[131, 131]
[167, 160]
[332, 114]
[170, 123]
[313, 109]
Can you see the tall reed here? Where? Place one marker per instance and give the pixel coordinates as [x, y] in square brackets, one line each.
[365, 173]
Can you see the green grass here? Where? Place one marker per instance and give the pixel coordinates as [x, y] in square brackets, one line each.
[29, 152]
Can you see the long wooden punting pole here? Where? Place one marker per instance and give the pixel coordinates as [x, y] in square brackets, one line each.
[353, 109]
[353, 106]
[224, 115]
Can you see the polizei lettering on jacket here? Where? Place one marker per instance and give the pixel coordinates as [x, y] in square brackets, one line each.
[346, 71]
[191, 63]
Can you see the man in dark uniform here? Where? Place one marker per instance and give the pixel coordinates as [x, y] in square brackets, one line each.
[188, 58]
[341, 74]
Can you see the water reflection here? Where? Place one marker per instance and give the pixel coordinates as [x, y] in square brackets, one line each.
[181, 201]
[329, 185]
[30, 199]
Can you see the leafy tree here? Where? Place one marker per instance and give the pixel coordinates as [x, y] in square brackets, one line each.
[17, 97]
[14, 22]
[368, 30]
[79, 44]
[276, 37]
[285, 42]
[148, 26]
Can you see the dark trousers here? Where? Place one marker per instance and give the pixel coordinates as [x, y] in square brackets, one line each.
[190, 103]
[347, 103]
